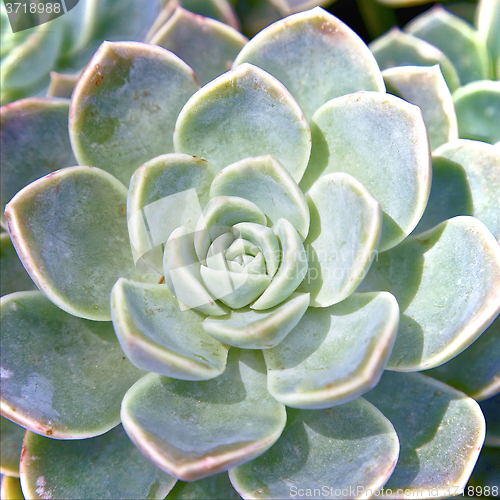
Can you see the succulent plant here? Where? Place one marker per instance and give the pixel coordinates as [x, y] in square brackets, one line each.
[276, 265]
[468, 57]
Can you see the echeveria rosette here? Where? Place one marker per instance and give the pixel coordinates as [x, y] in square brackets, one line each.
[261, 204]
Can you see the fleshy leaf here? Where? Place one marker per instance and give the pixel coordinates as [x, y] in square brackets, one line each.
[425, 87]
[488, 24]
[292, 270]
[158, 337]
[481, 379]
[334, 354]
[397, 172]
[195, 429]
[207, 45]
[61, 84]
[450, 194]
[463, 45]
[441, 432]
[490, 408]
[11, 489]
[182, 274]
[242, 114]
[342, 242]
[249, 329]
[124, 107]
[397, 48]
[265, 182]
[447, 283]
[29, 148]
[478, 111]
[305, 52]
[329, 450]
[107, 466]
[14, 276]
[11, 444]
[26, 68]
[164, 194]
[62, 376]
[212, 488]
[481, 163]
[70, 231]
[219, 216]
[216, 9]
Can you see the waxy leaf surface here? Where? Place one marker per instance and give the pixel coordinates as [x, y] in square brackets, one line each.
[62, 376]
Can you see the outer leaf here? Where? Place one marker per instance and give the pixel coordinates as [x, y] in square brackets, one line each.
[29, 148]
[481, 379]
[426, 88]
[447, 283]
[457, 39]
[108, 466]
[164, 194]
[195, 429]
[70, 232]
[490, 409]
[441, 432]
[61, 84]
[11, 489]
[325, 450]
[397, 48]
[397, 172]
[14, 276]
[478, 111]
[450, 194]
[208, 46]
[241, 114]
[265, 182]
[336, 354]
[305, 52]
[212, 488]
[11, 444]
[250, 329]
[27, 66]
[157, 336]
[62, 376]
[124, 107]
[481, 163]
[488, 24]
[343, 240]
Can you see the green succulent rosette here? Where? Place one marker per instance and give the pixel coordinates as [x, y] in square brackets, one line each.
[261, 299]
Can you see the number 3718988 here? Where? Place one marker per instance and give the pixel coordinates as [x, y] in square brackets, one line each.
[33, 8]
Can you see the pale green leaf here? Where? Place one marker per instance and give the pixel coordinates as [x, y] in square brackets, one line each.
[29, 148]
[440, 430]
[159, 337]
[195, 429]
[249, 329]
[107, 466]
[62, 376]
[244, 113]
[447, 283]
[382, 142]
[333, 451]
[342, 242]
[124, 107]
[207, 45]
[334, 354]
[11, 444]
[316, 56]
[70, 231]
[425, 87]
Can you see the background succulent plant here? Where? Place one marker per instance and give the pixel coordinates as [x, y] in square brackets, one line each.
[300, 197]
